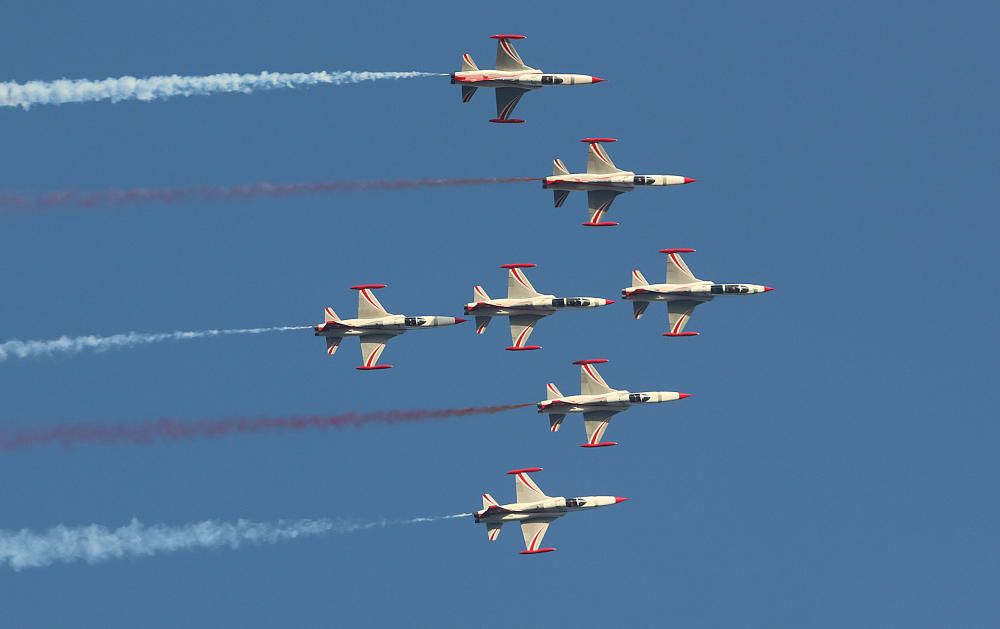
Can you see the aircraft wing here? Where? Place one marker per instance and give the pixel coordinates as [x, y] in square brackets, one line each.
[507, 57]
[521, 327]
[534, 532]
[679, 313]
[518, 285]
[596, 422]
[525, 488]
[372, 346]
[591, 382]
[598, 202]
[677, 270]
[507, 99]
[598, 160]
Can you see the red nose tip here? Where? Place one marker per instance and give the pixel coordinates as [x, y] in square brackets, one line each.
[689, 180]
[767, 288]
[619, 499]
[608, 301]
[595, 79]
[460, 320]
[681, 396]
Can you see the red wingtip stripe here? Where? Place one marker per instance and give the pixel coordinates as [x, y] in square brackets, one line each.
[591, 361]
[677, 250]
[506, 36]
[369, 286]
[526, 469]
[518, 265]
[595, 140]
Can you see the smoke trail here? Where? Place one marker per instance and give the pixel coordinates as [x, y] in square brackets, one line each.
[75, 345]
[13, 94]
[94, 543]
[164, 430]
[127, 196]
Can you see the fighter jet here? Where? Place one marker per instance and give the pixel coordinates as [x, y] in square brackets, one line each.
[603, 181]
[682, 291]
[524, 305]
[534, 510]
[374, 325]
[511, 78]
[597, 401]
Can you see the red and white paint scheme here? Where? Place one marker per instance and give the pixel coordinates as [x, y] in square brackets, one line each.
[602, 182]
[533, 510]
[524, 305]
[374, 325]
[597, 401]
[511, 78]
[682, 292]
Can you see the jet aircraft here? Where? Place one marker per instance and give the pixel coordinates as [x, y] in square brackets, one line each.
[597, 401]
[602, 182]
[524, 305]
[682, 292]
[533, 510]
[374, 325]
[511, 78]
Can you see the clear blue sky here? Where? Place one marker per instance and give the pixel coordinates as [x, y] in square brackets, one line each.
[837, 466]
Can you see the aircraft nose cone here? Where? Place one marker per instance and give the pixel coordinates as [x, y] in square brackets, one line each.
[460, 320]
[767, 289]
[608, 301]
[681, 396]
[689, 180]
[595, 79]
[619, 499]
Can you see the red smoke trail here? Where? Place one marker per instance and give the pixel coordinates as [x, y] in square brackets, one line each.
[173, 430]
[12, 202]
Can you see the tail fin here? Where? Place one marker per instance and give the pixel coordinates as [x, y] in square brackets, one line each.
[558, 168]
[329, 315]
[478, 294]
[638, 279]
[552, 392]
[489, 501]
[468, 65]
[481, 323]
[493, 530]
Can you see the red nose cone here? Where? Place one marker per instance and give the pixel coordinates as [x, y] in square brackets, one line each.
[460, 320]
[608, 301]
[689, 180]
[619, 499]
[767, 289]
[594, 79]
[681, 396]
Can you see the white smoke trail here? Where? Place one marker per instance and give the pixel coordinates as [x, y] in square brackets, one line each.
[74, 345]
[94, 543]
[13, 94]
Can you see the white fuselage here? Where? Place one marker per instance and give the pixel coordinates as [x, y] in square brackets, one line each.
[525, 79]
[552, 507]
[537, 305]
[389, 324]
[611, 401]
[621, 181]
[701, 290]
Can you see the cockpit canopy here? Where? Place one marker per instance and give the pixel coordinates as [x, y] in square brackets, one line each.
[570, 302]
[548, 79]
[729, 289]
[642, 180]
[575, 502]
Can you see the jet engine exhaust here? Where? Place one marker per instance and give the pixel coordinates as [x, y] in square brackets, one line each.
[95, 544]
[25, 95]
[257, 190]
[169, 430]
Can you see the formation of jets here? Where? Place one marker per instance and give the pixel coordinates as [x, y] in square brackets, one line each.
[524, 306]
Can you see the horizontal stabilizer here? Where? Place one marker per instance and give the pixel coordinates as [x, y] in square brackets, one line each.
[552, 392]
[481, 323]
[555, 421]
[468, 65]
[638, 279]
[329, 315]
